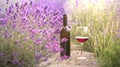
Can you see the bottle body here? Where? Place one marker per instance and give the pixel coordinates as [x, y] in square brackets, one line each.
[65, 33]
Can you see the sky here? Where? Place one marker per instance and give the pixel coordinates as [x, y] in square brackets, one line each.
[3, 2]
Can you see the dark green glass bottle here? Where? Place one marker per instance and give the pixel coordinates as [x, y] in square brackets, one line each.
[65, 33]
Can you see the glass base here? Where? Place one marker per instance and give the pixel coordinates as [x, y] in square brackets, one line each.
[81, 58]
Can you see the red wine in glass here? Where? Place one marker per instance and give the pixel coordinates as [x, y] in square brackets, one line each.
[81, 36]
[81, 39]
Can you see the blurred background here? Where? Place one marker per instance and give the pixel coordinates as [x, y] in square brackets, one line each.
[43, 17]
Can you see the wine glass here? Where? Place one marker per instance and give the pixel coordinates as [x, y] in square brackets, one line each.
[81, 35]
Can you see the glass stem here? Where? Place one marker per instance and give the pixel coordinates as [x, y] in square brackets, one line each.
[81, 48]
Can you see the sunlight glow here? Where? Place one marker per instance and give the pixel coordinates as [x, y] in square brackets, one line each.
[84, 5]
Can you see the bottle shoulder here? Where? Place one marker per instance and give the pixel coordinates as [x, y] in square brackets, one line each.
[66, 28]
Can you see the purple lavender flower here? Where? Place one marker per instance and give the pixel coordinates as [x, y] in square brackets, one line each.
[37, 11]
[24, 19]
[21, 46]
[5, 59]
[38, 56]
[45, 59]
[37, 42]
[64, 57]
[15, 54]
[3, 21]
[117, 34]
[35, 31]
[26, 39]
[31, 3]
[57, 31]
[61, 49]
[17, 41]
[25, 4]
[17, 4]
[21, 64]
[0, 9]
[14, 25]
[30, 47]
[44, 18]
[47, 46]
[56, 48]
[7, 1]
[15, 61]
[6, 34]
[64, 40]
[1, 54]
[76, 2]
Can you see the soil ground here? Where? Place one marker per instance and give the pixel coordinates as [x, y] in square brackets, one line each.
[72, 61]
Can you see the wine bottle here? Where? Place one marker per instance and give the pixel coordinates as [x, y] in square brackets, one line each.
[65, 33]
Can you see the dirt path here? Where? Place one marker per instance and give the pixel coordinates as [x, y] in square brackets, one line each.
[73, 61]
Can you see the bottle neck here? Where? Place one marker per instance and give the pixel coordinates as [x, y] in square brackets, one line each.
[64, 20]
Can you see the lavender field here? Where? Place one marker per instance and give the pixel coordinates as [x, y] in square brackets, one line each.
[30, 32]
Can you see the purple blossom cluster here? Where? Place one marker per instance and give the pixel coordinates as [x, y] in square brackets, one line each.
[35, 24]
[64, 40]
[64, 57]
[1, 54]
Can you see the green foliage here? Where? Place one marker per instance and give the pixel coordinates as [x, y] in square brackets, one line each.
[110, 56]
[103, 26]
[11, 51]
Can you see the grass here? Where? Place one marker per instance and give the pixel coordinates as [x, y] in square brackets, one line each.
[103, 23]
